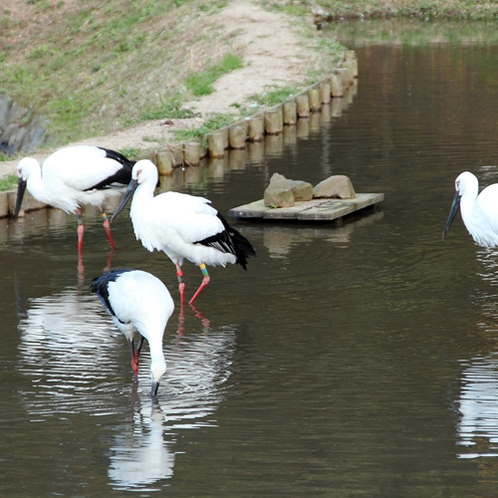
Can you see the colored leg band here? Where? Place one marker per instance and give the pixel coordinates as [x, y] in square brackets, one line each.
[204, 271]
[179, 276]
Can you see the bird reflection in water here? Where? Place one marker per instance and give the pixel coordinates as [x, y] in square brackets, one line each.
[141, 455]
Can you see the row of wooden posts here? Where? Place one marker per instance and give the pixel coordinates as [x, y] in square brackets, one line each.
[269, 122]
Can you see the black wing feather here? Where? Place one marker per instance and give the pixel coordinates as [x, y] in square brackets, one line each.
[122, 176]
[100, 287]
[231, 241]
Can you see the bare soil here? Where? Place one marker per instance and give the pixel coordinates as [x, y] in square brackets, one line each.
[274, 50]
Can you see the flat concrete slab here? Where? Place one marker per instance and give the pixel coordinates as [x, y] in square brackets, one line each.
[314, 210]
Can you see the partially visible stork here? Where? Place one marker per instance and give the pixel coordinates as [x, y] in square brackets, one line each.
[183, 226]
[74, 176]
[479, 212]
[140, 305]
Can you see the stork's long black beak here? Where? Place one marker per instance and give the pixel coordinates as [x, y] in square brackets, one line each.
[21, 188]
[154, 388]
[132, 186]
[453, 212]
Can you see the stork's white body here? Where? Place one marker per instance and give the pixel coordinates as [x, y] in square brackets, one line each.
[182, 226]
[68, 177]
[172, 222]
[141, 306]
[479, 212]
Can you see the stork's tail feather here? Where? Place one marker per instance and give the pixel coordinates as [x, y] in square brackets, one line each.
[242, 247]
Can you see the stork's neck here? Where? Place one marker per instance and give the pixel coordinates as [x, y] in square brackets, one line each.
[157, 361]
[36, 186]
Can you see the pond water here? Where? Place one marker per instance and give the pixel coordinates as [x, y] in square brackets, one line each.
[353, 359]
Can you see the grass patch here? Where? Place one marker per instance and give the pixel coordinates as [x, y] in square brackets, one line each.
[273, 96]
[8, 183]
[130, 152]
[202, 83]
[212, 124]
[419, 9]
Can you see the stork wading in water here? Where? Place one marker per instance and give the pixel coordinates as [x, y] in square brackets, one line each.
[479, 212]
[140, 305]
[74, 176]
[183, 226]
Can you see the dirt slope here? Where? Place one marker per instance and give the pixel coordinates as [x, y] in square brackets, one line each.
[274, 51]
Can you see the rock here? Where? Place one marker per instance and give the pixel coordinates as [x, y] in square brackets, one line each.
[279, 192]
[338, 186]
[302, 191]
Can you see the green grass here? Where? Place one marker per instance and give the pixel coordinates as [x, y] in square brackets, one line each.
[200, 84]
[483, 10]
[214, 123]
[273, 96]
[8, 183]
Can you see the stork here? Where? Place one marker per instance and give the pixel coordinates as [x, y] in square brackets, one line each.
[183, 226]
[74, 176]
[140, 305]
[479, 212]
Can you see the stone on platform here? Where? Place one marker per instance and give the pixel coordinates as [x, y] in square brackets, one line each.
[336, 186]
[302, 191]
[278, 194]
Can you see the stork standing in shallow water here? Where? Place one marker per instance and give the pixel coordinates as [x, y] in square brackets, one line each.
[74, 176]
[181, 225]
[479, 212]
[140, 305]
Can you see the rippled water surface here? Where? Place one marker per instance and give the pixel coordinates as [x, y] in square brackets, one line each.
[353, 359]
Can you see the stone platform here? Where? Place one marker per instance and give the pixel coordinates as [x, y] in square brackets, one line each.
[313, 210]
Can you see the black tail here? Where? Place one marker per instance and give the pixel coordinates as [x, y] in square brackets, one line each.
[242, 247]
[230, 241]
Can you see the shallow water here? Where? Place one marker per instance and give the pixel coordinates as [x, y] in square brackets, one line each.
[351, 359]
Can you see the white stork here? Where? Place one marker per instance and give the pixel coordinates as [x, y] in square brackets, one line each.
[479, 212]
[183, 226]
[74, 176]
[140, 305]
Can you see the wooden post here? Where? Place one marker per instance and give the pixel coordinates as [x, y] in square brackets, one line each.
[314, 98]
[216, 144]
[342, 72]
[191, 153]
[303, 105]
[290, 113]
[303, 128]
[164, 162]
[255, 129]
[237, 137]
[176, 156]
[337, 107]
[274, 123]
[349, 55]
[224, 132]
[326, 113]
[325, 92]
[336, 86]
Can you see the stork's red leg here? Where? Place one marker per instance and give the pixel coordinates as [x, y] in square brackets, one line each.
[181, 283]
[107, 227]
[205, 280]
[135, 354]
[80, 230]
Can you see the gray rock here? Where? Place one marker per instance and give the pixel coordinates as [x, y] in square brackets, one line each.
[336, 186]
[302, 191]
[279, 192]
[5, 103]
